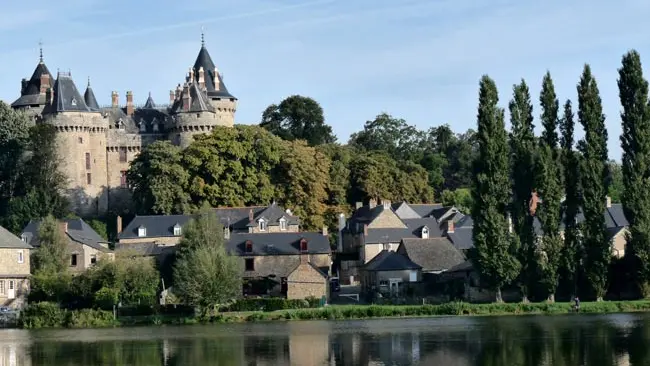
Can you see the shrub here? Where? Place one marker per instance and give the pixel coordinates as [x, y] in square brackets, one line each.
[43, 315]
[271, 304]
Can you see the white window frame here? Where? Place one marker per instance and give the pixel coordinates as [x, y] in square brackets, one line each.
[142, 232]
[425, 233]
[261, 225]
[178, 230]
[23, 237]
[283, 224]
[21, 256]
[413, 276]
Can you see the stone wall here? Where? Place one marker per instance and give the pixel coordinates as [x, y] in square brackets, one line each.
[12, 271]
[386, 219]
[162, 240]
[9, 264]
[274, 229]
[306, 281]
[84, 256]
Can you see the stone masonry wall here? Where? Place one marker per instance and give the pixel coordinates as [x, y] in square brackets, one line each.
[274, 229]
[305, 281]
[387, 219]
[12, 270]
[162, 240]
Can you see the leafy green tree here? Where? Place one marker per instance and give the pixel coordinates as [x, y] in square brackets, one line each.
[14, 137]
[594, 182]
[338, 184]
[159, 181]
[491, 194]
[635, 141]
[390, 135]
[522, 146]
[572, 250]
[51, 254]
[205, 275]
[460, 198]
[549, 187]
[615, 179]
[298, 118]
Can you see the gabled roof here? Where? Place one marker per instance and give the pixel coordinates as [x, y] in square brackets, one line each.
[199, 101]
[31, 91]
[66, 96]
[204, 60]
[425, 210]
[78, 231]
[395, 235]
[89, 98]
[149, 104]
[404, 211]
[433, 254]
[9, 240]
[278, 243]
[157, 226]
[388, 260]
[272, 214]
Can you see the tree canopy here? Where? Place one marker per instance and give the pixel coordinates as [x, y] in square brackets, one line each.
[298, 118]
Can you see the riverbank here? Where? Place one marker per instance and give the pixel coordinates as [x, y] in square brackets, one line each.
[96, 318]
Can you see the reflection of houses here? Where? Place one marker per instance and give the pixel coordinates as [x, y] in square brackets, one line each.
[14, 353]
[14, 270]
[85, 246]
[295, 265]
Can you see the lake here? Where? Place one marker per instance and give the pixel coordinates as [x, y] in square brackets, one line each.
[616, 339]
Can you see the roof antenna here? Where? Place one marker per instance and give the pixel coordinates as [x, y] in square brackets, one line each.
[202, 37]
[40, 46]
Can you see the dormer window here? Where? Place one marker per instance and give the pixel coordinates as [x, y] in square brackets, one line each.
[226, 232]
[142, 231]
[249, 246]
[156, 126]
[262, 225]
[283, 224]
[303, 245]
[120, 124]
[425, 233]
[177, 230]
[24, 238]
[143, 126]
[73, 102]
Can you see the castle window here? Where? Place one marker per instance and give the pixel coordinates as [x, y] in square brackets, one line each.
[122, 154]
[88, 179]
[123, 182]
[88, 161]
[73, 260]
[73, 102]
[120, 124]
[21, 258]
[226, 232]
[23, 237]
[81, 140]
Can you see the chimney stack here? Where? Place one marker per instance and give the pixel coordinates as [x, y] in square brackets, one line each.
[325, 231]
[358, 205]
[304, 258]
[45, 82]
[386, 204]
[365, 229]
[250, 215]
[172, 97]
[201, 78]
[64, 226]
[450, 226]
[187, 99]
[115, 99]
[129, 103]
[532, 205]
[372, 203]
[119, 224]
[191, 75]
[179, 91]
[608, 202]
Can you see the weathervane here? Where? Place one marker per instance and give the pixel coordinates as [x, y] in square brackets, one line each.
[202, 36]
[40, 47]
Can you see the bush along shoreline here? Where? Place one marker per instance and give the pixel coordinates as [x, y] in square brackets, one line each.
[49, 315]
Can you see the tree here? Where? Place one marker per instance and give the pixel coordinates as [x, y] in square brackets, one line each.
[572, 250]
[594, 182]
[522, 145]
[14, 137]
[51, 254]
[549, 187]
[491, 194]
[392, 136]
[615, 181]
[205, 275]
[159, 181]
[635, 141]
[460, 198]
[298, 118]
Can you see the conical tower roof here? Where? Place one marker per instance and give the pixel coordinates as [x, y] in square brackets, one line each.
[149, 104]
[66, 96]
[89, 98]
[31, 89]
[204, 60]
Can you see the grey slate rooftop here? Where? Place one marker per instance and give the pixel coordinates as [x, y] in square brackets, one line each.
[89, 98]
[30, 94]
[66, 96]
[278, 243]
[390, 261]
[11, 241]
[395, 235]
[204, 60]
[433, 254]
[78, 231]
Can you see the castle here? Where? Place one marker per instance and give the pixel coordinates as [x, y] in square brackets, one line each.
[96, 144]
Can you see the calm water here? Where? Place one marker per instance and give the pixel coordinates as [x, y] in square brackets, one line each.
[621, 339]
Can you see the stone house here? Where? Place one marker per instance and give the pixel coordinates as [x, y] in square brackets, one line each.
[85, 246]
[390, 274]
[292, 265]
[434, 255]
[97, 143]
[14, 270]
[157, 235]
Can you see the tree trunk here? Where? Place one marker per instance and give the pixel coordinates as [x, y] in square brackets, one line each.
[524, 299]
[499, 298]
[551, 298]
[599, 299]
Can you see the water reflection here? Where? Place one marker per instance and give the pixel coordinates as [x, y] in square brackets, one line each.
[540, 341]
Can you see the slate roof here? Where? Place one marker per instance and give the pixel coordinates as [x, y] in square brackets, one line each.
[199, 101]
[433, 254]
[272, 214]
[365, 214]
[278, 243]
[9, 240]
[132, 124]
[395, 235]
[149, 104]
[462, 237]
[78, 231]
[426, 210]
[31, 90]
[89, 98]
[157, 226]
[204, 60]
[388, 260]
[145, 249]
[66, 96]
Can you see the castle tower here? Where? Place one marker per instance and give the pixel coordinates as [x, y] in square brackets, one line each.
[203, 102]
[81, 140]
[32, 91]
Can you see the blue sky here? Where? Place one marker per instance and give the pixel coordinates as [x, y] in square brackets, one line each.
[416, 59]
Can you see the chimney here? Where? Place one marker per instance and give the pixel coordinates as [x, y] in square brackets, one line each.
[45, 82]
[386, 204]
[115, 99]
[201, 78]
[250, 215]
[532, 205]
[129, 103]
[450, 226]
[386, 246]
[217, 85]
[358, 205]
[365, 229]
[179, 91]
[304, 258]
[172, 97]
[372, 203]
[325, 232]
[191, 74]
[187, 99]
[119, 224]
[608, 202]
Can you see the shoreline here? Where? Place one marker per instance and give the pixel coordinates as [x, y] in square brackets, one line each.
[99, 319]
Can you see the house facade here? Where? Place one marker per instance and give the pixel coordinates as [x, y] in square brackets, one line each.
[84, 246]
[14, 270]
[390, 274]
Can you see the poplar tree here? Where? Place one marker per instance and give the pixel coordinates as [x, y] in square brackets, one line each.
[635, 141]
[572, 250]
[522, 149]
[490, 193]
[549, 187]
[594, 182]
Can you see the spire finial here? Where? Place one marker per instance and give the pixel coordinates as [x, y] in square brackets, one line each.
[89, 81]
[149, 94]
[202, 36]
[40, 47]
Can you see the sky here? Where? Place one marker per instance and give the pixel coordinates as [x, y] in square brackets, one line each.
[419, 60]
